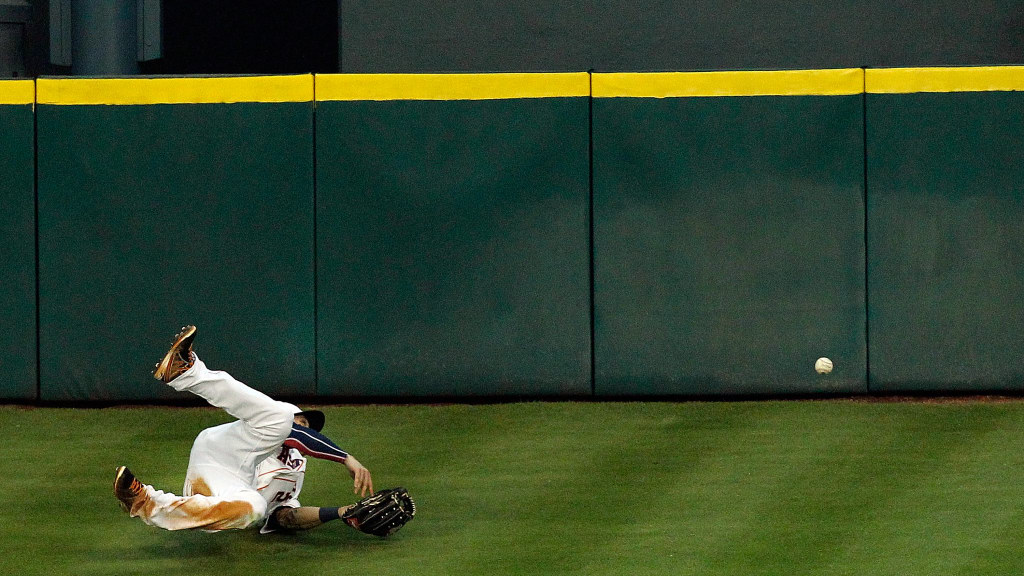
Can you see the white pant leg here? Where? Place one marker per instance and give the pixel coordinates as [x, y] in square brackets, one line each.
[239, 510]
[264, 415]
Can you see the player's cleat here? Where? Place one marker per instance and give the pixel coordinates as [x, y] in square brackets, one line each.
[127, 488]
[179, 358]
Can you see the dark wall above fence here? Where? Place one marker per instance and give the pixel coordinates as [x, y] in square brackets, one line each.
[390, 36]
[619, 35]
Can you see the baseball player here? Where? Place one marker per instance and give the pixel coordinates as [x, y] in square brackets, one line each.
[244, 472]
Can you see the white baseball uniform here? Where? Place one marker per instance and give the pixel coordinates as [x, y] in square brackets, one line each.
[279, 480]
[221, 488]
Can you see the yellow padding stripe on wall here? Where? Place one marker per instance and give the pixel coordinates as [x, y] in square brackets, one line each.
[17, 92]
[977, 79]
[336, 87]
[740, 83]
[329, 87]
[219, 90]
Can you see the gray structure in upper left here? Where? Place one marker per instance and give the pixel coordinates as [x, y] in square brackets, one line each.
[83, 37]
[15, 19]
[154, 37]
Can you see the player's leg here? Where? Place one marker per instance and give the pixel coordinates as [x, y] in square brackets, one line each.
[220, 389]
[240, 509]
[182, 369]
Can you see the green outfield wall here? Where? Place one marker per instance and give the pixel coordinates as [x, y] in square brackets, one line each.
[728, 232]
[173, 200]
[453, 235]
[560, 235]
[946, 228]
[17, 236]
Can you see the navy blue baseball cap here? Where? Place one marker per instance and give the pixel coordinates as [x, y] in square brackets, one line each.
[316, 419]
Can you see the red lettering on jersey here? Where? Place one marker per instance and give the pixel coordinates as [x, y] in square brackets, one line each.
[285, 458]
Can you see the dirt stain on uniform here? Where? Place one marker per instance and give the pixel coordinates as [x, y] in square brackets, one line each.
[199, 486]
[219, 516]
[195, 510]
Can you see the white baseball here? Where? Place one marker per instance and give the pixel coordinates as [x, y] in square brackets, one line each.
[823, 366]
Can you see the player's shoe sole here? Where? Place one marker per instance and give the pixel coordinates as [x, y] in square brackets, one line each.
[127, 488]
[179, 358]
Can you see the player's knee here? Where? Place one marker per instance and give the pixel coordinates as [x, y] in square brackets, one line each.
[279, 426]
[257, 510]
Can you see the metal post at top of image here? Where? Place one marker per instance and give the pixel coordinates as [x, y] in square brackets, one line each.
[103, 38]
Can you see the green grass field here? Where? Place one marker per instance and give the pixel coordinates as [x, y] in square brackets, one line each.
[816, 487]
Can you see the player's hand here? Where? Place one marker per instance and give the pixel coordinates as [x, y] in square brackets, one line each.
[361, 480]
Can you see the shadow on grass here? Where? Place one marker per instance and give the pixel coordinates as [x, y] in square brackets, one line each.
[186, 544]
[250, 544]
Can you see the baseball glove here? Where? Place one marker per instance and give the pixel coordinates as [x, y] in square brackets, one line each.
[381, 514]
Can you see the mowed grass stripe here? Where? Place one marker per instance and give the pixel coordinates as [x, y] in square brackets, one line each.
[827, 487]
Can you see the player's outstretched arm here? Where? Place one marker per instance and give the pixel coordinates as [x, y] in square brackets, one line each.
[312, 443]
[305, 517]
[362, 482]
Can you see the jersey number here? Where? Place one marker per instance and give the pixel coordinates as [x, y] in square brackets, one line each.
[281, 497]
